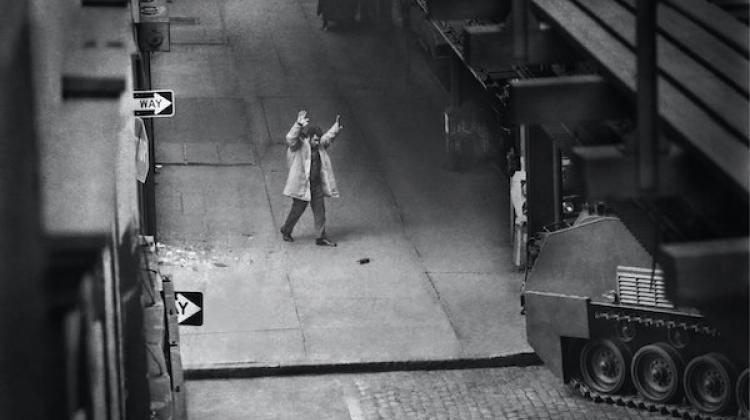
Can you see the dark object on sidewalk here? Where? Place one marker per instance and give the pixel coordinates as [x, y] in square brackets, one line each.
[363, 260]
[338, 11]
[287, 236]
[324, 242]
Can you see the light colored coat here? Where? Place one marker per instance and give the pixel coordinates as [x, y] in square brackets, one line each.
[298, 160]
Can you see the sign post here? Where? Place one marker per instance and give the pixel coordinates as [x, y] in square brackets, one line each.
[153, 103]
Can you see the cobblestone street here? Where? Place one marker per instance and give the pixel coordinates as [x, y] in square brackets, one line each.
[499, 393]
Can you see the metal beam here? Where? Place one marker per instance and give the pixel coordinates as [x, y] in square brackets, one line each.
[493, 47]
[487, 46]
[468, 9]
[608, 172]
[564, 99]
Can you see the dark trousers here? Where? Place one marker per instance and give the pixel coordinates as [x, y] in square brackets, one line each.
[317, 202]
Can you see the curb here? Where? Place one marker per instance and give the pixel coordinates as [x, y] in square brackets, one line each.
[255, 371]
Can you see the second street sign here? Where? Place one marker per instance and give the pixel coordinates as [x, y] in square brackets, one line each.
[154, 103]
[189, 306]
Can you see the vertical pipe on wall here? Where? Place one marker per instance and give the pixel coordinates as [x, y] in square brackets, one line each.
[647, 95]
[23, 353]
[150, 187]
[456, 66]
[522, 133]
[520, 29]
[556, 180]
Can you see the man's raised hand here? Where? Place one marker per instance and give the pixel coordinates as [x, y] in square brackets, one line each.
[338, 122]
[302, 118]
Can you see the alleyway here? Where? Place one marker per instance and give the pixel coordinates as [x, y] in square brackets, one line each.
[587, 159]
[439, 285]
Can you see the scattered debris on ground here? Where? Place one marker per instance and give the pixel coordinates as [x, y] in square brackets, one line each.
[200, 257]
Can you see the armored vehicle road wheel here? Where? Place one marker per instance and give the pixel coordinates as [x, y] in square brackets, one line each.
[604, 365]
[656, 372]
[709, 383]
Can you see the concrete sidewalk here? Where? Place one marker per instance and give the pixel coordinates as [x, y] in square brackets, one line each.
[439, 284]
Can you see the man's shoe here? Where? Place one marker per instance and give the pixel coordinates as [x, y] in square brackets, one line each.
[287, 236]
[324, 242]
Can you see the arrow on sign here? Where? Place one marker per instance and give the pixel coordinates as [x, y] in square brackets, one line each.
[161, 103]
[185, 307]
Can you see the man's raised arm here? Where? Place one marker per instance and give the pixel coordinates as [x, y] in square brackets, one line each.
[332, 132]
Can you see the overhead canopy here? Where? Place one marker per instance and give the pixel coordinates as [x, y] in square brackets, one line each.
[702, 57]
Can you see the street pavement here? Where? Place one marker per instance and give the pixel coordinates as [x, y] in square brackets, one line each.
[499, 393]
[439, 284]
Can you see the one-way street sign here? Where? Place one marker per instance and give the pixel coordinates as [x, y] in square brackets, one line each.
[154, 103]
[189, 307]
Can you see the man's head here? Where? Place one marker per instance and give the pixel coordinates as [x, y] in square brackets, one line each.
[310, 132]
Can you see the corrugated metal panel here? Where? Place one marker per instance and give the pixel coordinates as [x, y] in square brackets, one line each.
[642, 286]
